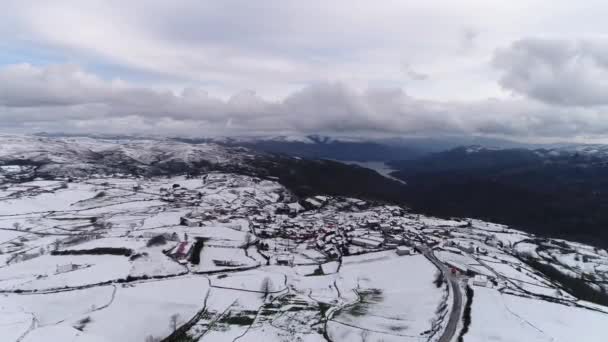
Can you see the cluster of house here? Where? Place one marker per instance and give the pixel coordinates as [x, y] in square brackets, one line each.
[303, 227]
[179, 251]
[338, 227]
[315, 202]
[12, 173]
[182, 196]
[333, 226]
[460, 247]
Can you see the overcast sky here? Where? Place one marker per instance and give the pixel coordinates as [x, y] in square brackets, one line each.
[521, 69]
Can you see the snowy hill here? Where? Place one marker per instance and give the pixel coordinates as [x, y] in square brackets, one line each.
[81, 155]
[560, 191]
[224, 256]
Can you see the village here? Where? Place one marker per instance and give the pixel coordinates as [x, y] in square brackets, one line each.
[318, 229]
[240, 255]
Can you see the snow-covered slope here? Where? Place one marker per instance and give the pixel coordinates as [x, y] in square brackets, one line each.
[223, 256]
[81, 155]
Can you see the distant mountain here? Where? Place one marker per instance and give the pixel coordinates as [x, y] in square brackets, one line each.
[446, 142]
[316, 147]
[560, 191]
[24, 158]
[356, 148]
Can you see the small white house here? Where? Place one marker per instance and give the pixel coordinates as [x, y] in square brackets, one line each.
[65, 268]
[466, 248]
[148, 235]
[313, 203]
[385, 227]
[480, 280]
[284, 260]
[404, 250]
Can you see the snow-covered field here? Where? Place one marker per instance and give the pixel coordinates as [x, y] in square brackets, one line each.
[225, 257]
[506, 318]
[392, 298]
[42, 273]
[107, 313]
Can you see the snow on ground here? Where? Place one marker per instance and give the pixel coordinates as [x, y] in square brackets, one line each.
[319, 288]
[52, 308]
[131, 313]
[507, 318]
[509, 239]
[125, 205]
[526, 249]
[223, 258]
[397, 298]
[164, 218]
[561, 322]
[251, 280]
[518, 274]
[223, 306]
[61, 333]
[14, 324]
[222, 236]
[153, 262]
[41, 273]
[59, 200]
[492, 321]
[465, 261]
[373, 296]
[111, 242]
[145, 309]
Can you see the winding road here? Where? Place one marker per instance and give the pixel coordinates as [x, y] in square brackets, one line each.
[453, 280]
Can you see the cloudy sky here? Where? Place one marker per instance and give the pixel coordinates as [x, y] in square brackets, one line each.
[521, 69]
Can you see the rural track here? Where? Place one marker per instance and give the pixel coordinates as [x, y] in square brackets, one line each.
[456, 312]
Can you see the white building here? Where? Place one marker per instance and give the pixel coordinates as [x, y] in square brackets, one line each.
[404, 250]
[480, 280]
[363, 242]
[65, 268]
[313, 203]
[285, 260]
[385, 227]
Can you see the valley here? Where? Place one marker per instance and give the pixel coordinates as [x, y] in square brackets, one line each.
[230, 253]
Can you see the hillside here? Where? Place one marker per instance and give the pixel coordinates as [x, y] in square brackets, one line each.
[561, 192]
[238, 245]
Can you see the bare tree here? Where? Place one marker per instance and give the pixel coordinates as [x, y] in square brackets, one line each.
[56, 244]
[247, 240]
[173, 320]
[266, 287]
[364, 335]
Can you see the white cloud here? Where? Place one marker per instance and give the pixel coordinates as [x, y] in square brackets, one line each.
[561, 72]
[269, 47]
[67, 98]
[237, 66]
